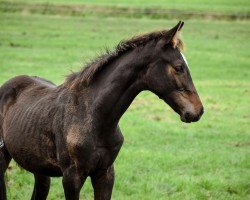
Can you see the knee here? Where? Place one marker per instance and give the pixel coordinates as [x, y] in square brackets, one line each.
[106, 175]
[72, 177]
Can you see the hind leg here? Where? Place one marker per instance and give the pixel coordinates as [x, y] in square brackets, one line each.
[4, 163]
[41, 187]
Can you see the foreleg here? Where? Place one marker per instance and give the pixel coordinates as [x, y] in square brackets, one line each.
[103, 181]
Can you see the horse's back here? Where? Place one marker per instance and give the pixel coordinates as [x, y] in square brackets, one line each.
[11, 89]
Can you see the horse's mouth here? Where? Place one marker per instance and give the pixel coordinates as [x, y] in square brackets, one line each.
[189, 120]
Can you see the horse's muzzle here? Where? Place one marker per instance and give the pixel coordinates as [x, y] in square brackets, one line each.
[188, 117]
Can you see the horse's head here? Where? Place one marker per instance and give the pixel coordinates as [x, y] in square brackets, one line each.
[169, 77]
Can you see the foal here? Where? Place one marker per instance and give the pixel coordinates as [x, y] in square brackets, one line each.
[72, 130]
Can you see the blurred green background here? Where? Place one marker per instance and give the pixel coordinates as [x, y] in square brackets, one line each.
[162, 158]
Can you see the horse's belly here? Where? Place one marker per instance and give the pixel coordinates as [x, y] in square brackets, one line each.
[31, 147]
[30, 156]
[32, 152]
[33, 157]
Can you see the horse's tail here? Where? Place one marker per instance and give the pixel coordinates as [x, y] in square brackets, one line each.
[7, 96]
[2, 183]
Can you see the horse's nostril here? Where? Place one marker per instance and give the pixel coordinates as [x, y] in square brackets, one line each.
[187, 115]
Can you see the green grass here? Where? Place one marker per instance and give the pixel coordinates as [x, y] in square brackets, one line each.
[195, 5]
[162, 158]
[181, 9]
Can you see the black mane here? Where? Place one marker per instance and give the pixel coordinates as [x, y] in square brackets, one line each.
[87, 74]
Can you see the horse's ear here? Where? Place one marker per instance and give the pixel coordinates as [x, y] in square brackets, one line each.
[173, 39]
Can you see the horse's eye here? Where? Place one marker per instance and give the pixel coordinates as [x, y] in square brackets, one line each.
[179, 69]
[181, 90]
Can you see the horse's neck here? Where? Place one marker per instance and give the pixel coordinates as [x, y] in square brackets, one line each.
[116, 87]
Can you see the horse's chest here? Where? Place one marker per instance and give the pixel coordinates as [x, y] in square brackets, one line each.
[93, 150]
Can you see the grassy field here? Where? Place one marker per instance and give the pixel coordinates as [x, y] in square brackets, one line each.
[162, 158]
[195, 5]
